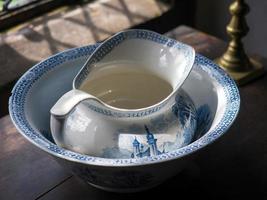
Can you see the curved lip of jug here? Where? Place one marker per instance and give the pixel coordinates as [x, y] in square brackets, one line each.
[84, 71]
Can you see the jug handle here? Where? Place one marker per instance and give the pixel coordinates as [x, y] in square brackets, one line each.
[68, 101]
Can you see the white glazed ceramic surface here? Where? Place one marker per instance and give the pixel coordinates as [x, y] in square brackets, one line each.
[38, 90]
[154, 53]
[83, 123]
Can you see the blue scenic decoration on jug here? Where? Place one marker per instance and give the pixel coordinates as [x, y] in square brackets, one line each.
[151, 140]
[204, 120]
[182, 109]
[152, 150]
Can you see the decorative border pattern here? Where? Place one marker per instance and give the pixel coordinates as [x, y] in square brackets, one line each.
[129, 114]
[22, 87]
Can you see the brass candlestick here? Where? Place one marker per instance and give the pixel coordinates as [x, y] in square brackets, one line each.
[234, 60]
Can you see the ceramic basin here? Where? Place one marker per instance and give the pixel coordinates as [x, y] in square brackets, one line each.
[213, 92]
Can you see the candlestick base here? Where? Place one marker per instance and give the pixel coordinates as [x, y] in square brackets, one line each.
[254, 71]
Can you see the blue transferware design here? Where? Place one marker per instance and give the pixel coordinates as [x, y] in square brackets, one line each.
[134, 179]
[182, 110]
[25, 83]
[183, 114]
[84, 123]
[204, 121]
[105, 173]
[129, 114]
[138, 150]
[151, 150]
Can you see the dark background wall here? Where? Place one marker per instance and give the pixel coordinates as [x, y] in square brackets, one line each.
[212, 17]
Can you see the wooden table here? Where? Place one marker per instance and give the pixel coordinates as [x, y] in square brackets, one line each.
[233, 166]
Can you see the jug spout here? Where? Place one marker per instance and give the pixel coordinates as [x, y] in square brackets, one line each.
[68, 101]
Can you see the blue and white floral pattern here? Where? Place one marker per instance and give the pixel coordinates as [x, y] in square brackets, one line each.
[23, 86]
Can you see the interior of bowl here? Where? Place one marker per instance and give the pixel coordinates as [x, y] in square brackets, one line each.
[213, 92]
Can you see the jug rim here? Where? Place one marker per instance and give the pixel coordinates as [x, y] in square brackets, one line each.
[112, 42]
